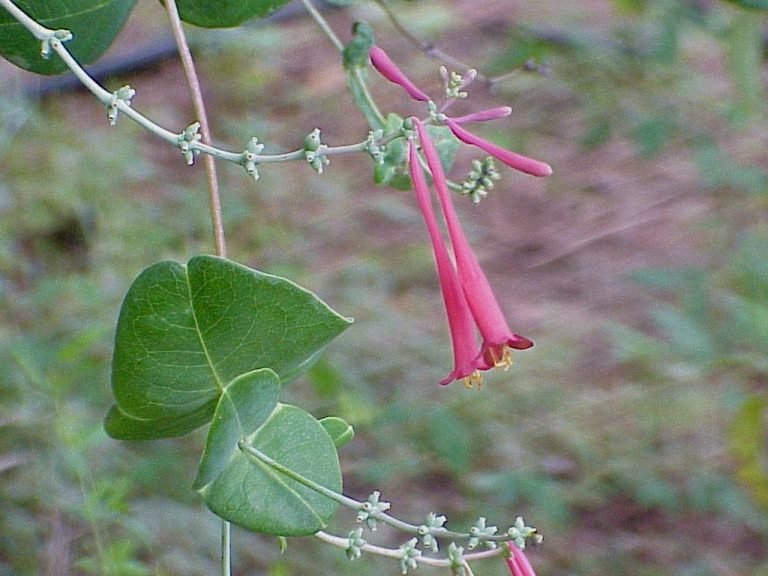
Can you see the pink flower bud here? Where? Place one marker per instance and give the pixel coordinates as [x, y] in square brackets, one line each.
[511, 159]
[391, 72]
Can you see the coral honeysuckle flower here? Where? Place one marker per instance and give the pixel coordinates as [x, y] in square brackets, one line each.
[467, 360]
[391, 72]
[517, 562]
[498, 339]
[467, 294]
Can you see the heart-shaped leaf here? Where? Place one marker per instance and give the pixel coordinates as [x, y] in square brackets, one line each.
[185, 332]
[93, 24]
[257, 496]
[225, 13]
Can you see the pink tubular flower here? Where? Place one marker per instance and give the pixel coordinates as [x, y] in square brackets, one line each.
[517, 562]
[498, 339]
[467, 361]
[391, 72]
[511, 159]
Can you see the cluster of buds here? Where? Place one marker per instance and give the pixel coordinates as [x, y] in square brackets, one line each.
[58, 36]
[480, 179]
[314, 151]
[454, 83]
[125, 95]
[252, 150]
[190, 136]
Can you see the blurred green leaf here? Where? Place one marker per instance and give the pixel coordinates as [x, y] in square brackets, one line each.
[450, 438]
[689, 337]
[355, 53]
[225, 13]
[744, 42]
[185, 332]
[339, 431]
[93, 24]
[256, 496]
[652, 134]
[754, 4]
[749, 444]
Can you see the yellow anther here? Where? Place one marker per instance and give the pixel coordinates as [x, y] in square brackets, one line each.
[474, 379]
[504, 360]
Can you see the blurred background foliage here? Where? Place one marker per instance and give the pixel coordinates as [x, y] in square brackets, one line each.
[633, 435]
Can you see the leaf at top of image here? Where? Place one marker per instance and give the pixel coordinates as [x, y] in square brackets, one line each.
[225, 13]
[94, 24]
[185, 332]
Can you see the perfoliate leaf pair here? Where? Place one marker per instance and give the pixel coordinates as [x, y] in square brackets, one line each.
[215, 341]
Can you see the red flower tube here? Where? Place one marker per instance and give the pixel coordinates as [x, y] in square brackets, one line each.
[498, 339]
[467, 361]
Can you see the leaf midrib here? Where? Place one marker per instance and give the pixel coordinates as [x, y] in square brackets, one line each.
[199, 332]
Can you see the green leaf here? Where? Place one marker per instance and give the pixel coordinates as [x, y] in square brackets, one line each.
[244, 405]
[446, 143]
[225, 13]
[355, 53]
[256, 496]
[123, 427]
[93, 23]
[186, 332]
[339, 431]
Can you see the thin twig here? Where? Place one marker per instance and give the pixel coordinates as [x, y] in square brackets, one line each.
[431, 50]
[214, 197]
[323, 23]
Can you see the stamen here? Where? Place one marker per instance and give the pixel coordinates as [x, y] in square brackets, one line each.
[474, 379]
[503, 361]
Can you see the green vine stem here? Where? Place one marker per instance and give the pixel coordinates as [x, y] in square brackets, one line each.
[54, 41]
[370, 509]
[396, 553]
[355, 75]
